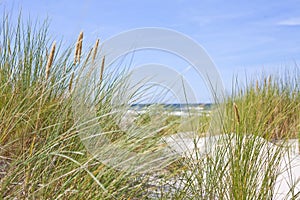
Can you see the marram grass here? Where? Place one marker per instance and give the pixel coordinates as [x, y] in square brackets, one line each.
[43, 157]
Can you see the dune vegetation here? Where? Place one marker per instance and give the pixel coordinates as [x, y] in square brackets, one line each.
[42, 155]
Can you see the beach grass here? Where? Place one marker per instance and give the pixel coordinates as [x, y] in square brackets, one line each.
[43, 155]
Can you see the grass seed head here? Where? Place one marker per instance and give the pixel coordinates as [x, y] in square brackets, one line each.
[78, 49]
[50, 60]
[236, 111]
[102, 69]
[95, 50]
[71, 82]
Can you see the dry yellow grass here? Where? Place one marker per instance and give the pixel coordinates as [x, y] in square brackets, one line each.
[78, 49]
[71, 82]
[50, 60]
[102, 69]
[95, 50]
[236, 111]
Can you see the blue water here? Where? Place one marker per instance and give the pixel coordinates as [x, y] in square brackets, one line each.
[174, 106]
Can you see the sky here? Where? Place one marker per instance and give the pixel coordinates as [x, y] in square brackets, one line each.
[243, 38]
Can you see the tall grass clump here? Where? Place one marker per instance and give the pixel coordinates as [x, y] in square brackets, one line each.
[32, 84]
[269, 106]
[42, 148]
[34, 109]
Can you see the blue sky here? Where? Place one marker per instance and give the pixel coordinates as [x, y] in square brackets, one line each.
[242, 37]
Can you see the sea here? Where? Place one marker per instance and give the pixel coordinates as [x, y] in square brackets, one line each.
[175, 109]
[175, 106]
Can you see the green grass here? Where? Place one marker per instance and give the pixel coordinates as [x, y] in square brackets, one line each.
[41, 132]
[269, 106]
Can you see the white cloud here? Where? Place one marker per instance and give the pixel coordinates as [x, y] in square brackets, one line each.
[290, 22]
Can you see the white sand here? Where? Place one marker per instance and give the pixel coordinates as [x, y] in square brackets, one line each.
[184, 144]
